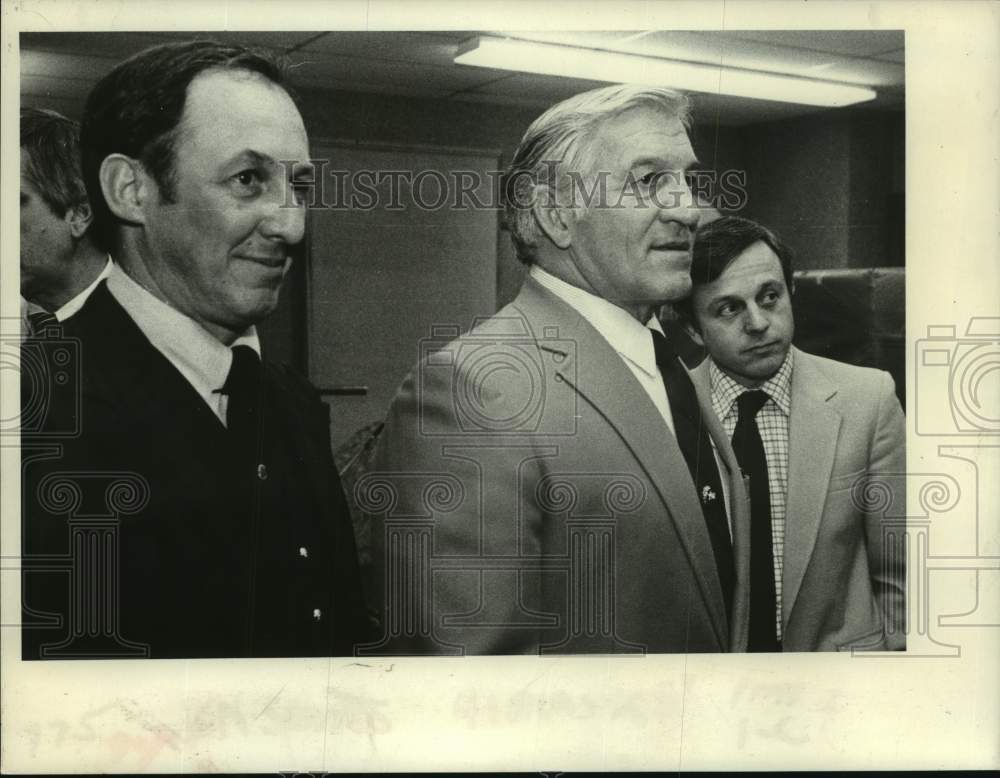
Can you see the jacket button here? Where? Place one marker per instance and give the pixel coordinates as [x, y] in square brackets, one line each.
[303, 552]
[317, 614]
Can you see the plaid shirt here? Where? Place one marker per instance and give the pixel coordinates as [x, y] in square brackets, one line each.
[772, 422]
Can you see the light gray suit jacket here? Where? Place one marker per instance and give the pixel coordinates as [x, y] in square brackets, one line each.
[843, 584]
[528, 497]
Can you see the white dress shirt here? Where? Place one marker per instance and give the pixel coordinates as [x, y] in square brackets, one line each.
[202, 359]
[633, 343]
[772, 424]
[622, 331]
[67, 309]
[72, 306]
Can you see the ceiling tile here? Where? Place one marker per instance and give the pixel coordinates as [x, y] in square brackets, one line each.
[893, 56]
[364, 72]
[855, 43]
[280, 41]
[428, 47]
[551, 88]
[861, 71]
[597, 39]
[731, 50]
[113, 45]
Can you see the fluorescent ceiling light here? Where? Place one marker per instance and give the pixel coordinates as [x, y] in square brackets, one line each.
[554, 59]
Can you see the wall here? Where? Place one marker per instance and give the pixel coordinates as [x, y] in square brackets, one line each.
[830, 185]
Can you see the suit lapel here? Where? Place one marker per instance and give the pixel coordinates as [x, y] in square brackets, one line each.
[140, 379]
[813, 428]
[620, 399]
[739, 512]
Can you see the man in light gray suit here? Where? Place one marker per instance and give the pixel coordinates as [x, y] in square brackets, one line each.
[826, 566]
[550, 481]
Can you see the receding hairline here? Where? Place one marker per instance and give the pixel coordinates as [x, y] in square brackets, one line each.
[208, 104]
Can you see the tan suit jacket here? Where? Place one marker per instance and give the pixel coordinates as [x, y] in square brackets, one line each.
[528, 497]
[843, 584]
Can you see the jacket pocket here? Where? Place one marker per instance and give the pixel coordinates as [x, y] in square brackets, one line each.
[871, 641]
[847, 481]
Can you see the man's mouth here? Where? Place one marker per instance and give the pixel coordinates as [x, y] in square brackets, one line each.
[762, 348]
[274, 261]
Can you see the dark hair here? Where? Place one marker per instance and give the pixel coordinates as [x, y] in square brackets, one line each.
[135, 109]
[50, 148]
[717, 244]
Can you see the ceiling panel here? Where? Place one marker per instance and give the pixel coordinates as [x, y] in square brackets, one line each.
[887, 75]
[732, 51]
[431, 48]
[893, 56]
[535, 87]
[315, 70]
[116, 44]
[856, 43]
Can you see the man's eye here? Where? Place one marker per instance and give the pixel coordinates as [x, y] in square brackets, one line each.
[649, 178]
[769, 298]
[247, 180]
[727, 310]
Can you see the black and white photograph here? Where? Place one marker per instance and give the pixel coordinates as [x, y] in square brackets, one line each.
[387, 396]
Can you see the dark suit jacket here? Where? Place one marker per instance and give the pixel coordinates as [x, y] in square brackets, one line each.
[844, 581]
[529, 497]
[139, 536]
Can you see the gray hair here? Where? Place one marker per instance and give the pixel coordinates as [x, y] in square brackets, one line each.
[560, 138]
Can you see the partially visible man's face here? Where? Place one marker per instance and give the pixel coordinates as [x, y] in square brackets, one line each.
[220, 251]
[635, 249]
[46, 246]
[745, 316]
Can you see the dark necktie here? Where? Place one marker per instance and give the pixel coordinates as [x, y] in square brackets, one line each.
[692, 438]
[40, 320]
[749, 449]
[243, 387]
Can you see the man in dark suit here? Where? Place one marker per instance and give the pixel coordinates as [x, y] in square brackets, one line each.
[550, 481]
[817, 438]
[190, 507]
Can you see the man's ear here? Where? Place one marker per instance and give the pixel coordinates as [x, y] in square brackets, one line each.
[79, 218]
[556, 222]
[126, 187]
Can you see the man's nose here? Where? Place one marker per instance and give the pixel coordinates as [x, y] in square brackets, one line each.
[755, 319]
[285, 221]
[678, 204]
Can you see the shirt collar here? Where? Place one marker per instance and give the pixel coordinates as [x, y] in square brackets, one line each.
[202, 359]
[74, 305]
[725, 390]
[619, 328]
